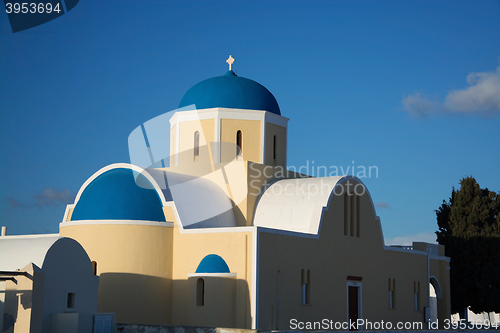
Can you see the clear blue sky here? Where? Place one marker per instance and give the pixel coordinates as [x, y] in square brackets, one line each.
[381, 83]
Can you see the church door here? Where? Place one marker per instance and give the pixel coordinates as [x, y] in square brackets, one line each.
[353, 306]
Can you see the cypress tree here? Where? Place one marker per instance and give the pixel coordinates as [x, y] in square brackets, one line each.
[469, 228]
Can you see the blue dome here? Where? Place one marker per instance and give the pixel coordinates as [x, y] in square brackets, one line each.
[115, 195]
[230, 91]
[212, 263]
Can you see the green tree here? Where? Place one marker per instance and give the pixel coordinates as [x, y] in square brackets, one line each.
[469, 227]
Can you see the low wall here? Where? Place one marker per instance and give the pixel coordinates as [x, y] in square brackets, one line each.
[133, 328]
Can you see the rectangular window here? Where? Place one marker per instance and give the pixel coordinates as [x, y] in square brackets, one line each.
[353, 212]
[308, 287]
[346, 214]
[196, 144]
[303, 298]
[416, 295]
[70, 301]
[274, 149]
[305, 287]
[358, 216]
[392, 293]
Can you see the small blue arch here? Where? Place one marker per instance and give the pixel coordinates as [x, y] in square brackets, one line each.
[212, 263]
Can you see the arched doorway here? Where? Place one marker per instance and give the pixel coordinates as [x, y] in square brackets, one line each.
[435, 295]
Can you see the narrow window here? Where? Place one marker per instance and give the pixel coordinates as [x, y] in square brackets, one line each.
[239, 144]
[274, 149]
[94, 267]
[196, 144]
[416, 295]
[305, 287]
[358, 219]
[346, 214]
[70, 301]
[392, 293]
[308, 287]
[353, 211]
[302, 287]
[200, 292]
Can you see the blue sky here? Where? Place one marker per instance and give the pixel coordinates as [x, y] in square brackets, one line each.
[411, 87]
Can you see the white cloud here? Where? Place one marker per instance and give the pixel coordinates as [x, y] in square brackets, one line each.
[383, 205]
[13, 203]
[51, 196]
[481, 98]
[408, 239]
[420, 106]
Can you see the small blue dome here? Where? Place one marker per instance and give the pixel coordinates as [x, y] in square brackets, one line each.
[115, 195]
[212, 263]
[230, 91]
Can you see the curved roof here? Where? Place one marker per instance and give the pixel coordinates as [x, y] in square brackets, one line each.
[200, 203]
[212, 263]
[230, 91]
[116, 195]
[297, 204]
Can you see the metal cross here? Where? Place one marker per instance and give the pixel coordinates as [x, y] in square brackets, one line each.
[230, 61]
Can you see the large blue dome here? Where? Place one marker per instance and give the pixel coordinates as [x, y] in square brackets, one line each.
[116, 195]
[230, 91]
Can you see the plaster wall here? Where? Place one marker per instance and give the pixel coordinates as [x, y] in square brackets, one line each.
[281, 144]
[259, 176]
[189, 248]
[21, 302]
[251, 139]
[219, 305]
[67, 269]
[134, 262]
[187, 129]
[333, 260]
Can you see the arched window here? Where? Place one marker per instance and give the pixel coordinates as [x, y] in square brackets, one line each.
[94, 267]
[200, 292]
[196, 144]
[274, 149]
[239, 144]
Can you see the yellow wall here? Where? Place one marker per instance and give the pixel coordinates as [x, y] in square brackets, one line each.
[189, 249]
[219, 305]
[19, 302]
[135, 280]
[280, 132]
[186, 141]
[251, 141]
[331, 259]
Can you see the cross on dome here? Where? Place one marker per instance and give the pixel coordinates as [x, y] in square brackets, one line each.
[230, 61]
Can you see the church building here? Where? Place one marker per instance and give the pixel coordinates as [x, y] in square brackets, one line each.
[224, 235]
